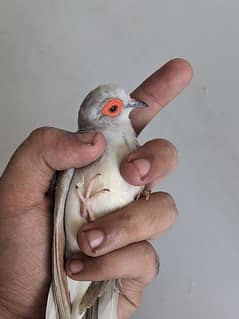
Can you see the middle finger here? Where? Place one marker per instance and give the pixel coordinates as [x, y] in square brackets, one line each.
[140, 220]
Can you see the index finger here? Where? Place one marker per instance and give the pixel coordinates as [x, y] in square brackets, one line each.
[159, 89]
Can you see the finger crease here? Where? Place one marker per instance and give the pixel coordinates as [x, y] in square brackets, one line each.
[152, 97]
[122, 293]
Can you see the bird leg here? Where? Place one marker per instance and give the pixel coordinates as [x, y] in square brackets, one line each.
[86, 199]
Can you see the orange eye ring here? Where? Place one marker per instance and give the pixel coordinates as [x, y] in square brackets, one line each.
[112, 108]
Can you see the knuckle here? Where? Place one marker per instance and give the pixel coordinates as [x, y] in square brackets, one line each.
[130, 229]
[162, 215]
[147, 249]
[163, 143]
[169, 199]
[40, 131]
[171, 150]
[102, 264]
[43, 140]
[46, 136]
[126, 217]
[164, 149]
[126, 220]
[171, 206]
[151, 259]
[170, 146]
[40, 135]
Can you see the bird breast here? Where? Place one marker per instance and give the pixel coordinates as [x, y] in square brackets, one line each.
[120, 192]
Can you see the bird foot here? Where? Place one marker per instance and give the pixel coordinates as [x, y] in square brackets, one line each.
[146, 193]
[86, 199]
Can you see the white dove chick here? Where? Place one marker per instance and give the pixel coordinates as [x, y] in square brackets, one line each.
[99, 188]
[87, 193]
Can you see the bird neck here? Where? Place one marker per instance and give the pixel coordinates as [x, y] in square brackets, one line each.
[120, 134]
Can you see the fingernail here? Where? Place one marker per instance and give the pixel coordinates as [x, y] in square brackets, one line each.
[94, 237]
[87, 138]
[142, 165]
[76, 266]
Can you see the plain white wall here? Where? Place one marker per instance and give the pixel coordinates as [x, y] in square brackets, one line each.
[53, 52]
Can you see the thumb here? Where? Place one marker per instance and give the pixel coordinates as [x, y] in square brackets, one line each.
[46, 150]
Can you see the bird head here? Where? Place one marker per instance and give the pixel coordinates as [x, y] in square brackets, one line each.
[106, 106]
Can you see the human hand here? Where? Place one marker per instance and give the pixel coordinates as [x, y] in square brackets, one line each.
[116, 245]
[26, 220]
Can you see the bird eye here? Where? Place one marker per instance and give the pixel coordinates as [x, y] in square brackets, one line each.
[112, 108]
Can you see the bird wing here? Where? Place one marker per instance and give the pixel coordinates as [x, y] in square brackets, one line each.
[100, 299]
[59, 304]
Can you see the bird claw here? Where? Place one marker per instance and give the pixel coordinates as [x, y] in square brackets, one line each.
[86, 199]
[144, 194]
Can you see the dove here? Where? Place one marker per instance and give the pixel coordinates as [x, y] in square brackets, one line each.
[84, 194]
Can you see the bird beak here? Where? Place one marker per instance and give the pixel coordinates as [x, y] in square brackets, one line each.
[134, 104]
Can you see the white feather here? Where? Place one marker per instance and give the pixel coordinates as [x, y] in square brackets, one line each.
[120, 141]
[108, 302]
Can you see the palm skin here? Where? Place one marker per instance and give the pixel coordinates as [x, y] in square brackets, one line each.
[26, 208]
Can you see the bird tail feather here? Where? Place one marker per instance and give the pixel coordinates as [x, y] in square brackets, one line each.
[108, 302]
[103, 306]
